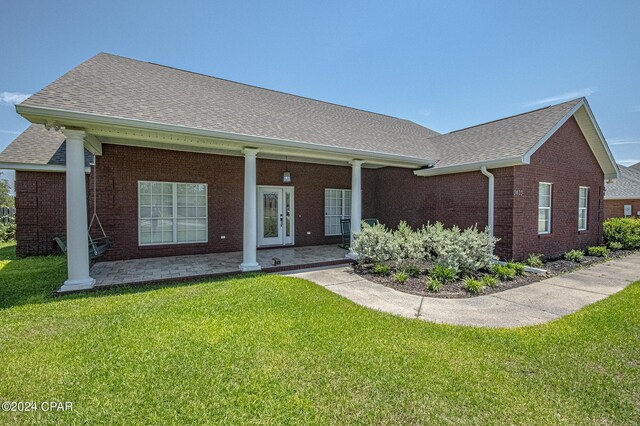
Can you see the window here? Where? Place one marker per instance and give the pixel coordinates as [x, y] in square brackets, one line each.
[544, 208]
[337, 205]
[172, 212]
[583, 198]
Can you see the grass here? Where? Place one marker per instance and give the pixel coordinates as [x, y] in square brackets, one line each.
[268, 349]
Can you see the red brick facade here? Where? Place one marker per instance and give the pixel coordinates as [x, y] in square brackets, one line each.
[390, 194]
[615, 208]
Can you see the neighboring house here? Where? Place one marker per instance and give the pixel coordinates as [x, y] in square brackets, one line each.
[622, 196]
[187, 163]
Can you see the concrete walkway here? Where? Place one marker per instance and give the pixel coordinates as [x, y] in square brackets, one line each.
[527, 305]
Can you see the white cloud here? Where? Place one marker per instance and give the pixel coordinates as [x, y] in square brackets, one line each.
[563, 97]
[12, 98]
[9, 132]
[425, 112]
[623, 141]
[629, 162]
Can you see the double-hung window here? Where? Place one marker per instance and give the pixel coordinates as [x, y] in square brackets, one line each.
[544, 208]
[170, 213]
[583, 200]
[337, 205]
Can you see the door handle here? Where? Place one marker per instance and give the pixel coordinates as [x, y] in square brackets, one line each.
[281, 220]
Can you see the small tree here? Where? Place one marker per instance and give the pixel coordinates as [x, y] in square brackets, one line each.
[6, 199]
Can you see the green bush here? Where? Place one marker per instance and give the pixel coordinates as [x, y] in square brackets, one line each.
[574, 255]
[412, 270]
[408, 244]
[374, 244]
[433, 284]
[8, 230]
[401, 277]
[381, 269]
[534, 260]
[518, 268]
[489, 280]
[444, 274]
[625, 231]
[601, 251]
[615, 246]
[503, 272]
[473, 285]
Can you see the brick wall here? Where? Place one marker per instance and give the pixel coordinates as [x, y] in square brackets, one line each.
[567, 162]
[615, 208]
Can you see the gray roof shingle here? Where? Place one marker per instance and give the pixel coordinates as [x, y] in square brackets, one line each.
[40, 146]
[627, 186]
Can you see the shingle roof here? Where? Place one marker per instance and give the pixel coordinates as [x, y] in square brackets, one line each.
[636, 166]
[626, 186]
[500, 139]
[40, 146]
[126, 88]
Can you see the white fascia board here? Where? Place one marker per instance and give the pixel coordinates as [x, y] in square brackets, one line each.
[471, 167]
[26, 167]
[604, 143]
[567, 116]
[41, 114]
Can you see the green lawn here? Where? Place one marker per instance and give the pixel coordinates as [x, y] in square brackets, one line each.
[269, 349]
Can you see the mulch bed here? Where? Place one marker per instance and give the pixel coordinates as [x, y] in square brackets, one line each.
[455, 290]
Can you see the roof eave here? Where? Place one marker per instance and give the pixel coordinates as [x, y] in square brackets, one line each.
[29, 167]
[472, 167]
[42, 115]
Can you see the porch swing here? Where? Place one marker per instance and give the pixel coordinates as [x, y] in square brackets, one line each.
[96, 246]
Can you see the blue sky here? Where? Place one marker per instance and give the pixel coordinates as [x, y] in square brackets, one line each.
[446, 65]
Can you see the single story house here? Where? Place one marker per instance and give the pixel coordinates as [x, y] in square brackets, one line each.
[184, 163]
[622, 196]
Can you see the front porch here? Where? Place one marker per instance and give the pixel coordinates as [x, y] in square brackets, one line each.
[182, 268]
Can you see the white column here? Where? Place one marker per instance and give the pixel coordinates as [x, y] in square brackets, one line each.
[250, 231]
[356, 201]
[77, 234]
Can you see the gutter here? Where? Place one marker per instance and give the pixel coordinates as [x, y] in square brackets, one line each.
[26, 167]
[41, 114]
[488, 174]
[471, 167]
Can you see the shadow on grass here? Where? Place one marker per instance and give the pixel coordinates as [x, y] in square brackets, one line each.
[33, 280]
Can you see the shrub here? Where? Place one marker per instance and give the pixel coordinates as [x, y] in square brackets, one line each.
[401, 277]
[615, 246]
[489, 281]
[503, 272]
[443, 274]
[374, 244]
[473, 285]
[518, 268]
[412, 271]
[625, 231]
[534, 260]
[381, 269]
[464, 251]
[433, 284]
[601, 251]
[8, 230]
[407, 244]
[574, 255]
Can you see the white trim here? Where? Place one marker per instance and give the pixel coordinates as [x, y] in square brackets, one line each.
[260, 215]
[550, 208]
[174, 207]
[26, 167]
[40, 114]
[471, 167]
[491, 201]
[342, 215]
[604, 142]
[612, 198]
[585, 208]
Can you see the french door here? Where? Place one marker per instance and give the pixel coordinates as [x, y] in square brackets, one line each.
[275, 216]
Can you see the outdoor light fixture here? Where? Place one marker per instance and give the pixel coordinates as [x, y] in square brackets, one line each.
[286, 176]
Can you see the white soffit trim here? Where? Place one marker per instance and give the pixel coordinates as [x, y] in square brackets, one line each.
[81, 119]
[26, 167]
[621, 198]
[471, 167]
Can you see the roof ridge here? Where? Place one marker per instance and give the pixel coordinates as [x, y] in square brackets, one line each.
[513, 116]
[265, 88]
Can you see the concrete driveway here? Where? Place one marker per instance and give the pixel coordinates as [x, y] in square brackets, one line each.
[527, 305]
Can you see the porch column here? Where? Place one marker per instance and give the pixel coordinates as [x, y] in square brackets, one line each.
[77, 234]
[356, 201]
[250, 231]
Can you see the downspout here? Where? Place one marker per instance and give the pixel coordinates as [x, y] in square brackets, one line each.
[488, 174]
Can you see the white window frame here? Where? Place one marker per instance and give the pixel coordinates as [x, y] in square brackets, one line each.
[545, 207]
[583, 210]
[342, 215]
[174, 214]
